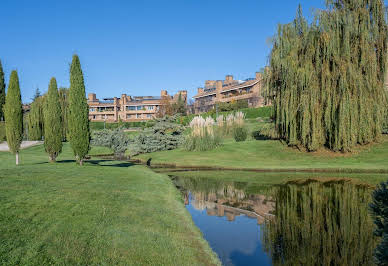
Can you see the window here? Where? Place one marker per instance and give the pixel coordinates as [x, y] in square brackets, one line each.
[138, 115]
[94, 117]
[129, 116]
[150, 107]
[91, 109]
[139, 107]
[131, 108]
[149, 116]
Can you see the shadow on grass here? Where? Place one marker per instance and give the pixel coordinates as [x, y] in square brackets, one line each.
[112, 163]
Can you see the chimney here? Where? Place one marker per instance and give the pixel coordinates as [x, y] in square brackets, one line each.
[163, 93]
[200, 90]
[228, 79]
[92, 97]
[123, 99]
[219, 85]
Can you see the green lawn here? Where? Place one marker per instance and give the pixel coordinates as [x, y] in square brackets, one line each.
[270, 178]
[270, 154]
[103, 213]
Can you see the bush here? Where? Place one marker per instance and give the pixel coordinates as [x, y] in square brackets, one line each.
[266, 132]
[115, 139]
[240, 134]
[2, 131]
[165, 134]
[126, 125]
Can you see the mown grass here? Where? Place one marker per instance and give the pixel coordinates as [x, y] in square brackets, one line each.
[271, 154]
[103, 213]
[273, 178]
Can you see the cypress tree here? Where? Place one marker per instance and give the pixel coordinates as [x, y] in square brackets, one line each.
[35, 119]
[52, 122]
[327, 78]
[2, 93]
[13, 113]
[78, 116]
[64, 103]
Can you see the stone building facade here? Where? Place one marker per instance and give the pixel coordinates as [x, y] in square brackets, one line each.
[229, 90]
[130, 108]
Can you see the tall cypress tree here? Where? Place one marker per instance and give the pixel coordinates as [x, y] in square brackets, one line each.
[35, 119]
[78, 116]
[2, 92]
[327, 78]
[14, 115]
[64, 103]
[52, 122]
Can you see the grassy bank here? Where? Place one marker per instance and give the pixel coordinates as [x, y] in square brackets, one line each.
[269, 154]
[272, 178]
[105, 212]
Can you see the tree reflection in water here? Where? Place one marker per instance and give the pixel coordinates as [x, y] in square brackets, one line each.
[319, 223]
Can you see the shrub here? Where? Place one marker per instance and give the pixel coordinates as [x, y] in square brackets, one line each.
[266, 132]
[240, 134]
[165, 134]
[115, 139]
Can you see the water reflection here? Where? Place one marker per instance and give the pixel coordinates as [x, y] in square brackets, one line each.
[320, 224]
[228, 214]
[304, 223]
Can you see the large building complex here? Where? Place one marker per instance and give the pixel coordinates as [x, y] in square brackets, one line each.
[229, 90]
[128, 108]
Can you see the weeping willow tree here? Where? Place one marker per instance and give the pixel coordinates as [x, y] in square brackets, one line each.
[327, 77]
[321, 224]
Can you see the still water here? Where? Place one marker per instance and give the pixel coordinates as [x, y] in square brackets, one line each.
[299, 223]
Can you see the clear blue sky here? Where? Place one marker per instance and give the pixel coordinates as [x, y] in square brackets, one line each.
[139, 47]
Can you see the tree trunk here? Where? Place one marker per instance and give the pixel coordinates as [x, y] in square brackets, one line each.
[52, 158]
[17, 158]
[81, 161]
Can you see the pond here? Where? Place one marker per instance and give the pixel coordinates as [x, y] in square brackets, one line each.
[304, 222]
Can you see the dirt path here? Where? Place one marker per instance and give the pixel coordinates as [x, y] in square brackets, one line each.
[25, 144]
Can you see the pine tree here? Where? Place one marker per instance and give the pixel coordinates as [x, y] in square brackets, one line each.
[78, 116]
[2, 92]
[327, 78]
[13, 113]
[52, 122]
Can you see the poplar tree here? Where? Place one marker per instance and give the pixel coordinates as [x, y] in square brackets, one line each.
[52, 122]
[2, 92]
[78, 116]
[327, 78]
[13, 113]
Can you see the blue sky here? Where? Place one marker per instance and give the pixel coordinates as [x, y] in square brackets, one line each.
[139, 47]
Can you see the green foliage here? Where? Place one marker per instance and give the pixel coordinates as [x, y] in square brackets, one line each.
[165, 134]
[52, 122]
[136, 124]
[2, 131]
[233, 106]
[2, 92]
[13, 113]
[63, 95]
[179, 107]
[78, 116]
[35, 119]
[36, 95]
[250, 113]
[327, 78]
[379, 210]
[265, 132]
[240, 133]
[115, 139]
